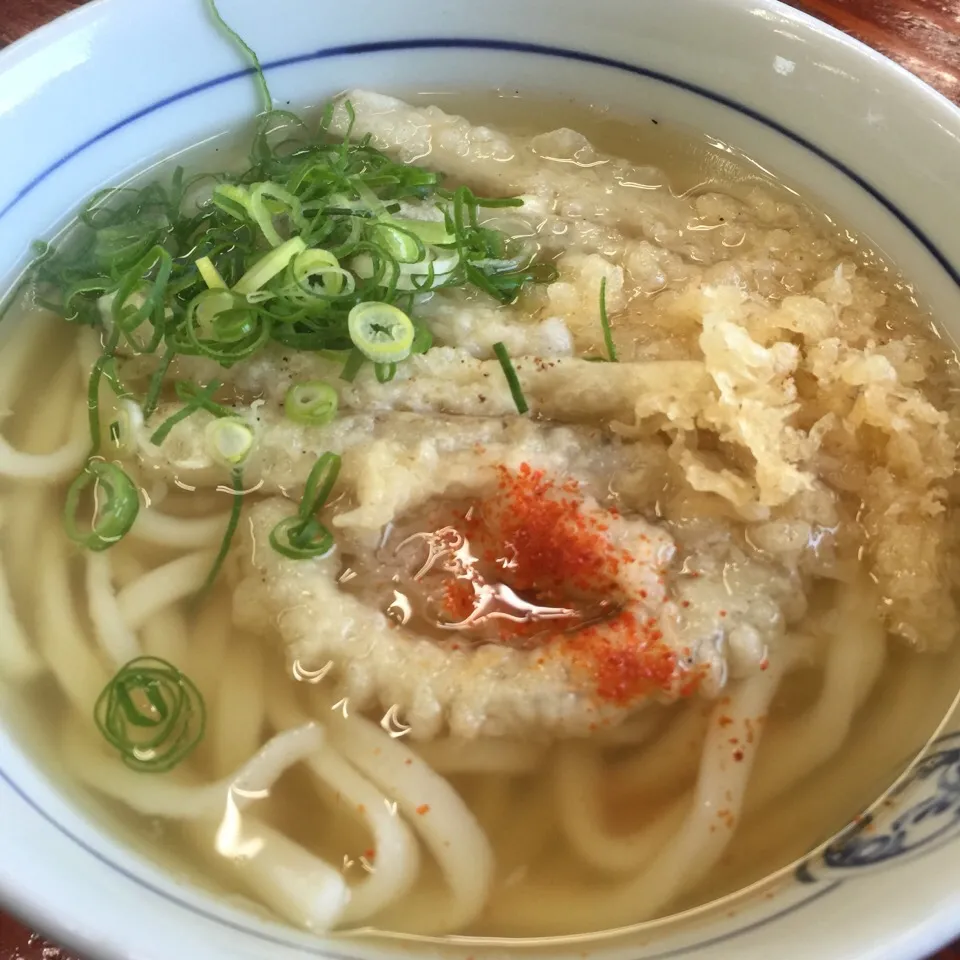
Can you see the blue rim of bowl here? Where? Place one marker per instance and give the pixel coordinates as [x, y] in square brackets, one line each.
[509, 46]
[452, 43]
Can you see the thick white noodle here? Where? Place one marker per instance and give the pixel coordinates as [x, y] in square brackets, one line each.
[30, 509]
[489, 799]
[856, 651]
[165, 635]
[183, 533]
[117, 641]
[180, 795]
[396, 865]
[27, 509]
[299, 886]
[162, 586]
[579, 774]
[689, 854]
[868, 766]
[61, 637]
[237, 713]
[671, 758]
[19, 662]
[65, 461]
[635, 731]
[206, 658]
[436, 812]
[522, 837]
[208, 666]
[17, 353]
[485, 755]
[303, 889]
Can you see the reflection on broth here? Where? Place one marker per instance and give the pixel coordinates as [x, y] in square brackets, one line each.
[533, 563]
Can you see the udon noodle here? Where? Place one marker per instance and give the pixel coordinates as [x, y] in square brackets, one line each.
[517, 672]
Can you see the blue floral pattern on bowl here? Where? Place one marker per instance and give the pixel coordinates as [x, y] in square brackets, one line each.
[926, 815]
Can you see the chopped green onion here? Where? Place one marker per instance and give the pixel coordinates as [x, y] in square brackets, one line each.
[229, 440]
[113, 381]
[313, 403]
[239, 41]
[130, 320]
[320, 483]
[194, 401]
[433, 232]
[152, 398]
[151, 714]
[125, 429]
[403, 245]
[352, 365]
[224, 326]
[264, 270]
[236, 477]
[262, 210]
[321, 265]
[381, 332]
[116, 503]
[513, 380]
[232, 200]
[306, 248]
[200, 397]
[422, 339]
[205, 307]
[93, 390]
[210, 274]
[303, 537]
[163, 431]
[384, 372]
[605, 322]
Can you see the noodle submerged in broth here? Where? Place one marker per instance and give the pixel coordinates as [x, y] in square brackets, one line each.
[472, 532]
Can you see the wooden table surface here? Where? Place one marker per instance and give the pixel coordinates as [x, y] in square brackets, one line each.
[923, 35]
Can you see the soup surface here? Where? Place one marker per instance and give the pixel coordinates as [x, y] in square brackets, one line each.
[505, 553]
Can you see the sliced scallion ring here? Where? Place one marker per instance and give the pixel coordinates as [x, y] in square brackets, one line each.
[209, 274]
[313, 403]
[232, 200]
[129, 422]
[403, 245]
[312, 266]
[301, 539]
[381, 332]
[152, 714]
[229, 440]
[265, 269]
[266, 200]
[205, 308]
[116, 504]
[303, 536]
[222, 325]
[429, 231]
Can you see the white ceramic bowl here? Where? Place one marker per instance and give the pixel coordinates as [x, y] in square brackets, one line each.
[113, 86]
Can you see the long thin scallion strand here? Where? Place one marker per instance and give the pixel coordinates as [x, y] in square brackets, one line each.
[236, 477]
[605, 322]
[513, 381]
[261, 80]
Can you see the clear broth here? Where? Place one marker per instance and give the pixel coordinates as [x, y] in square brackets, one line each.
[903, 711]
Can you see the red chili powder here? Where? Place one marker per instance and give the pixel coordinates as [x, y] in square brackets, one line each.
[546, 547]
[554, 550]
[627, 658]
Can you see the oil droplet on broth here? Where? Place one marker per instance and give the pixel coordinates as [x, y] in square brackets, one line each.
[426, 573]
